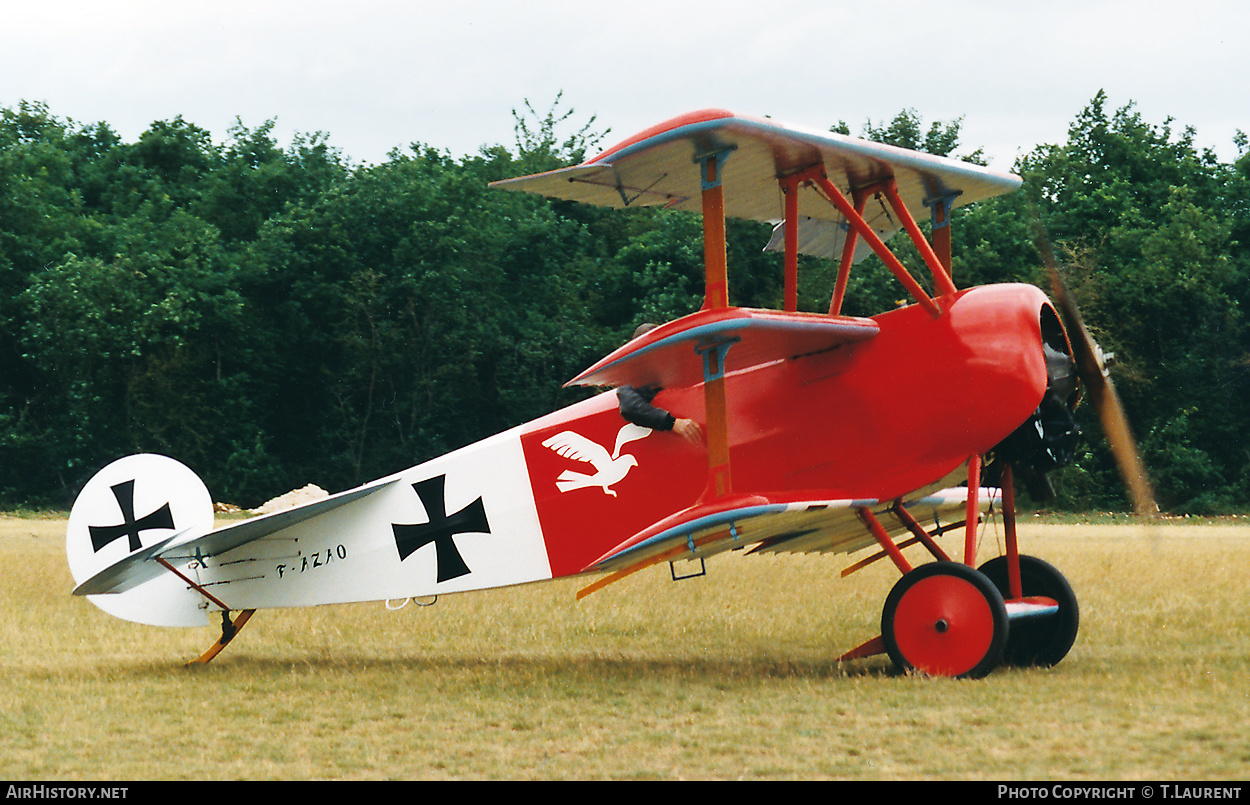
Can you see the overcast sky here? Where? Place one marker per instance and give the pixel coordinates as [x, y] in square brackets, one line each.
[380, 74]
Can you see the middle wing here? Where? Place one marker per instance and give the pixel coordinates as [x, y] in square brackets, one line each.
[669, 355]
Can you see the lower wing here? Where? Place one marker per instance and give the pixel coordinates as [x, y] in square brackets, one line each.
[773, 525]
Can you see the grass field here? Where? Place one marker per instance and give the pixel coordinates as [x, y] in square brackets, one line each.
[731, 676]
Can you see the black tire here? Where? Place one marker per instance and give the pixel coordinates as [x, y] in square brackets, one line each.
[1044, 641]
[945, 619]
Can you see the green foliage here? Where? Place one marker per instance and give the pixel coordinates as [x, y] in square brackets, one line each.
[907, 130]
[1145, 224]
[274, 316]
[539, 145]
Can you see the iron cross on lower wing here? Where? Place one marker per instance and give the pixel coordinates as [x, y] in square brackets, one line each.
[440, 528]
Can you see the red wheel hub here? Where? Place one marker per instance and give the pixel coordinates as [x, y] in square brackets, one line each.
[944, 624]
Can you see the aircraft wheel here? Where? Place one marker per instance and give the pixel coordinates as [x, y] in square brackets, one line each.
[1038, 641]
[945, 619]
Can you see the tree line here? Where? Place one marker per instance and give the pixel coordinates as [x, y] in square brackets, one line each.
[274, 315]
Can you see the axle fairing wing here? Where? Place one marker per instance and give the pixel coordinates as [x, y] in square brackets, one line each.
[656, 168]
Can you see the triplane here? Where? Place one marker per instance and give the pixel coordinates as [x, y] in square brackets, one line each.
[822, 432]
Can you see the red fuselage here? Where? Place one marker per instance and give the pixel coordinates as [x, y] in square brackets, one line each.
[874, 419]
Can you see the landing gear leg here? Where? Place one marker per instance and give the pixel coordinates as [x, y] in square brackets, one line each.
[1039, 640]
[1045, 640]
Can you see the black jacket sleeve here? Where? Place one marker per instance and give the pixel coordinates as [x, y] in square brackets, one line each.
[636, 407]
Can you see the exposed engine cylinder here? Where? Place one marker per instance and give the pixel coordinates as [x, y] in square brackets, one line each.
[1048, 439]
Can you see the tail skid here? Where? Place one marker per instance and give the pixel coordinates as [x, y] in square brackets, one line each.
[229, 628]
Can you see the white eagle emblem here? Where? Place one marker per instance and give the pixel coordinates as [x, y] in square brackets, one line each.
[609, 468]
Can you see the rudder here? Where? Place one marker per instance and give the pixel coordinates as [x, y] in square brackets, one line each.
[130, 505]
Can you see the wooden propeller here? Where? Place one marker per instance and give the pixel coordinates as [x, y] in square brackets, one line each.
[1091, 363]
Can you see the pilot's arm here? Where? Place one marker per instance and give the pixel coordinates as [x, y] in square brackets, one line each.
[635, 406]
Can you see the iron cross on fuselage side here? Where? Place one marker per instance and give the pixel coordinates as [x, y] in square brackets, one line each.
[440, 528]
[130, 527]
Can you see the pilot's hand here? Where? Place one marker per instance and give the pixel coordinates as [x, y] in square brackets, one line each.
[689, 430]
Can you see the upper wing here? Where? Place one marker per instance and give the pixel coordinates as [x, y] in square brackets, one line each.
[654, 168]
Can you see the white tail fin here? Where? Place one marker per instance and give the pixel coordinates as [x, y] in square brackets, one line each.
[129, 506]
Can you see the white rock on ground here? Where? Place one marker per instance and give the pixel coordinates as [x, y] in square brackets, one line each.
[291, 499]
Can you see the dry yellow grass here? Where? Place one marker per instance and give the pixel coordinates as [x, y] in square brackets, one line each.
[725, 677]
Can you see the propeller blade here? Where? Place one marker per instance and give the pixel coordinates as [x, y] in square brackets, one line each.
[1092, 366]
